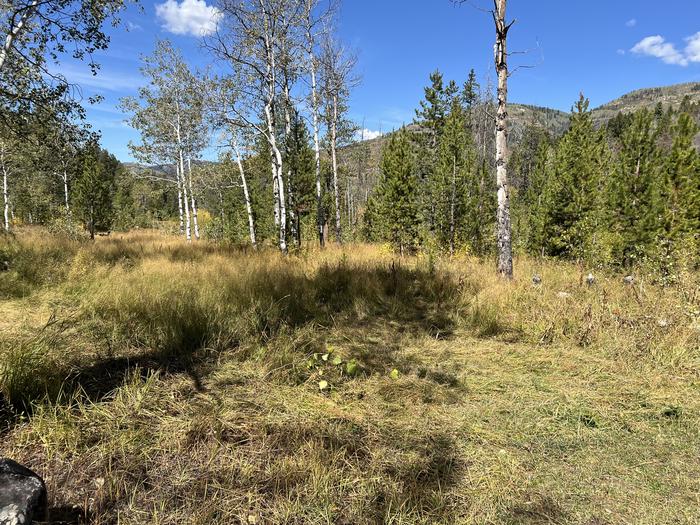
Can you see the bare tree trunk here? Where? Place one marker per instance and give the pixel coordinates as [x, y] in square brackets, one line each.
[185, 198]
[505, 254]
[246, 196]
[65, 193]
[179, 198]
[315, 122]
[192, 199]
[334, 161]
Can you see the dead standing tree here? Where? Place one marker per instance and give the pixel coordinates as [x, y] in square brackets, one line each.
[505, 252]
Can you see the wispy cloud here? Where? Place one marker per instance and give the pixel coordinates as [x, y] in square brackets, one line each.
[103, 81]
[367, 134]
[133, 26]
[189, 17]
[631, 22]
[657, 46]
[621, 52]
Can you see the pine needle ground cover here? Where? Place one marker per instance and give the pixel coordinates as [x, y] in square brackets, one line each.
[151, 381]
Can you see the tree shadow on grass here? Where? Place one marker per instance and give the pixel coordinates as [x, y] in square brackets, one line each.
[397, 299]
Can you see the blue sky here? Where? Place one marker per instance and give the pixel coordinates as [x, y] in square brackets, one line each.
[603, 48]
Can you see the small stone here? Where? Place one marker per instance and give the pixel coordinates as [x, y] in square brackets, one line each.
[590, 279]
[629, 279]
[536, 280]
[662, 323]
[23, 498]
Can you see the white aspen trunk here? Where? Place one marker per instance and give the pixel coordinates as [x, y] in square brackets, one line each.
[16, 30]
[181, 174]
[65, 192]
[277, 167]
[179, 198]
[192, 198]
[505, 254]
[275, 191]
[246, 196]
[334, 161]
[315, 122]
[185, 198]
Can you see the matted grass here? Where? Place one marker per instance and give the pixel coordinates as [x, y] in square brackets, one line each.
[169, 383]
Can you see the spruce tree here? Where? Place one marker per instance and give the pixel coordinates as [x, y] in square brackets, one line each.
[94, 189]
[571, 194]
[454, 186]
[681, 197]
[397, 195]
[299, 159]
[635, 210]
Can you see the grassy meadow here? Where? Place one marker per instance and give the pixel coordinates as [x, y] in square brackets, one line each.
[152, 381]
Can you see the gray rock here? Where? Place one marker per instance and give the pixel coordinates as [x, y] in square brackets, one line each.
[629, 279]
[536, 279]
[590, 279]
[23, 497]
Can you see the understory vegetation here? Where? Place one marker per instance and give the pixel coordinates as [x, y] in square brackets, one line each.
[153, 381]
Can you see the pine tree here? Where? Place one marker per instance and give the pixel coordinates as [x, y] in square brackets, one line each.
[397, 195]
[681, 197]
[635, 207]
[94, 189]
[300, 161]
[453, 187]
[571, 193]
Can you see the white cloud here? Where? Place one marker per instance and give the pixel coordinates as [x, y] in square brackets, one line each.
[631, 23]
[656, 46]
[368, 134]
[621, 51]
[189, 17]
[692, 49]
[133, 27]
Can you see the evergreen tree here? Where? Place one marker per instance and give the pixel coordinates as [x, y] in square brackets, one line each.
[453, 187]
[571, 194]
[300, 163]
[94, 189]
[635, 210]
[396, 194]
[681, 198]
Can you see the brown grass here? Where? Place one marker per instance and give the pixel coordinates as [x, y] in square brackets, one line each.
[171, 383]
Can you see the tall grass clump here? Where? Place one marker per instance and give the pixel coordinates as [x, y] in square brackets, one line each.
[29, 370]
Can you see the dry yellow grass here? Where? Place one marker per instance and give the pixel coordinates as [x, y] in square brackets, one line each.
[183, 386]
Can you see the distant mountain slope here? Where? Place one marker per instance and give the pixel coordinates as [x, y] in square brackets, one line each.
[647, 98]
[521, 115]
